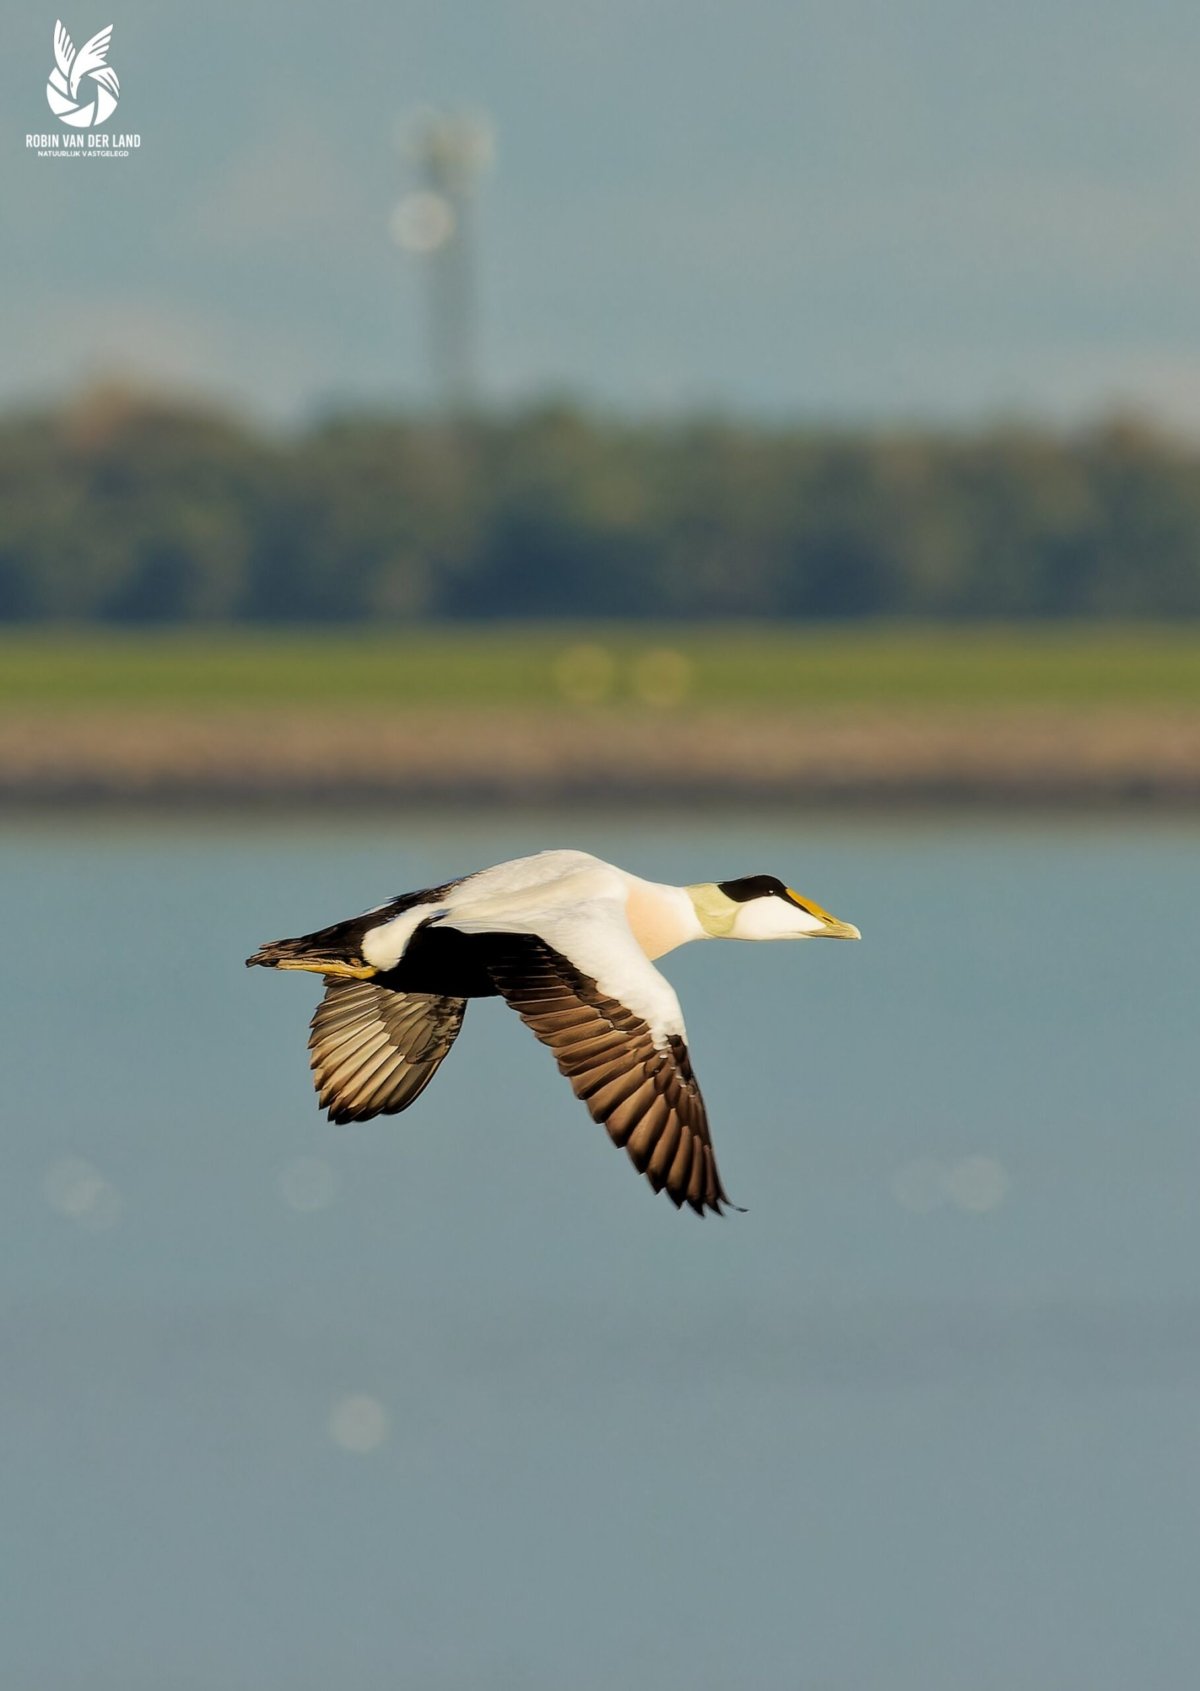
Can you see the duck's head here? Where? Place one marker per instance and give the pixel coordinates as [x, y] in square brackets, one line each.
[761, 907]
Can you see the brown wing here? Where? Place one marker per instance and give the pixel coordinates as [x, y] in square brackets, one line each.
[644, 1094]
[374, 1050]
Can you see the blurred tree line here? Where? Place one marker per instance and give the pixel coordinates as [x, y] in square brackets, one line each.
[121, 510]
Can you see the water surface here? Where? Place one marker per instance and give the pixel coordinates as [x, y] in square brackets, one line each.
[451, 1401]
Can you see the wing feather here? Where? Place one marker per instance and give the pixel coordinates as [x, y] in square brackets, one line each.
[374, 1050]
[638, 1086]
[664, 1151]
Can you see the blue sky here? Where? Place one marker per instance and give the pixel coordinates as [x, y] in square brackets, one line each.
[862, 211]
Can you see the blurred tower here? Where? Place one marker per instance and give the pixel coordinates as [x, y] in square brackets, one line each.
[450, 152]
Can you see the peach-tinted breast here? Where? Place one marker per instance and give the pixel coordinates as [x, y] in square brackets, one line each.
[661, 917]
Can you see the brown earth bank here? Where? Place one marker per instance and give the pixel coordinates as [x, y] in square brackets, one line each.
[1133, 756]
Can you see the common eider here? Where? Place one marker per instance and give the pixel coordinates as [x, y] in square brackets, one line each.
[567, 940]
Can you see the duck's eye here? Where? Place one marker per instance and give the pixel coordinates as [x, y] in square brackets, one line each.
[749, 887]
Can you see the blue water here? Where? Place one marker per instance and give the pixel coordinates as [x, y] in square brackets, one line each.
[452, 1401]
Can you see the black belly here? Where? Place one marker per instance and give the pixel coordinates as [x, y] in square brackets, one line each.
[444, 962]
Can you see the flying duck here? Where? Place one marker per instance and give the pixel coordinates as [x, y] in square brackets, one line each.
[568, 941]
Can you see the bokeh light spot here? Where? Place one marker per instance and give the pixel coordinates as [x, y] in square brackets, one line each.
[307, 1184]
[422, 221]
[977, 1184]
[585, 673]
[359, 1423]
[662, 677]
[77, 1190]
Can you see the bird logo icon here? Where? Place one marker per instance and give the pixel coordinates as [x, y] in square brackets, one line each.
[83, 89]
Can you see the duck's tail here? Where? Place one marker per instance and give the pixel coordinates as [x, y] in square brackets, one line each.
[333, 951]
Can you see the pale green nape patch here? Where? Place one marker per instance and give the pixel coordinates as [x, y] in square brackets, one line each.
[715, 910]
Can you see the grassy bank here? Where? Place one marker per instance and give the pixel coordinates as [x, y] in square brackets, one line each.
[872, 668]
[510, 715]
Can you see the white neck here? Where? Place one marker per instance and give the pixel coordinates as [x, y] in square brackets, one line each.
[662, 917]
